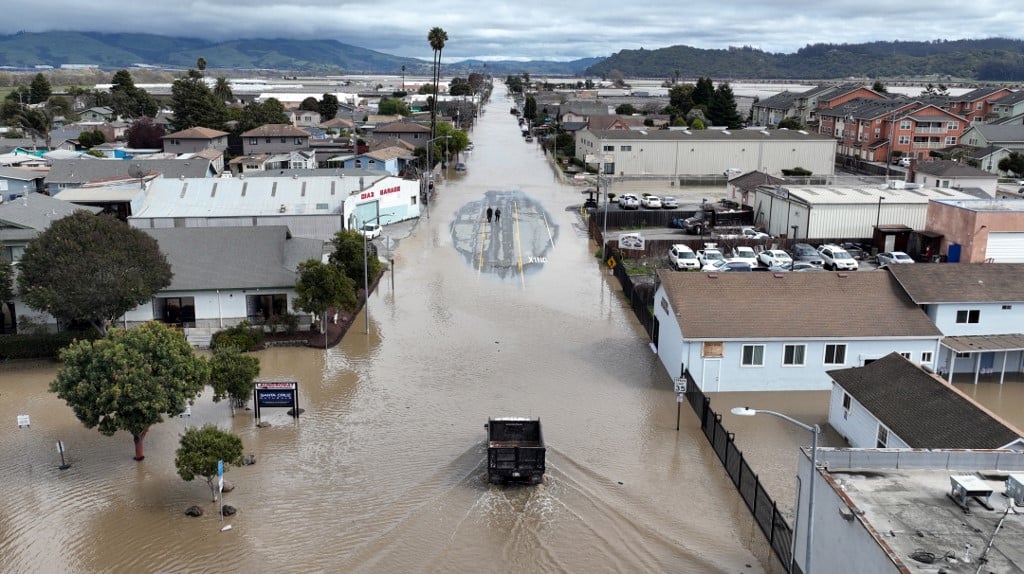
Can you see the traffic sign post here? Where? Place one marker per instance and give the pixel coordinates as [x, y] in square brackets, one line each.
[60, 449]
[680, 388]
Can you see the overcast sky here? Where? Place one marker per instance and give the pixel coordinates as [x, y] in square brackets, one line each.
[552, 30]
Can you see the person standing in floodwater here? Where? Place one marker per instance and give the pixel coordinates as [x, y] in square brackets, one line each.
[490, 213]
[497, 215]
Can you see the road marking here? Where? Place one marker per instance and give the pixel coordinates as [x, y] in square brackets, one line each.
[519, 242]
[483, 243]
[544, 216]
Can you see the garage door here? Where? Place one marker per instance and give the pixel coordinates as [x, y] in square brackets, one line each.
[1005, 247]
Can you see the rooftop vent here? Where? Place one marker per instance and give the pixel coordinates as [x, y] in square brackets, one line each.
[727, 132]
[282, 209]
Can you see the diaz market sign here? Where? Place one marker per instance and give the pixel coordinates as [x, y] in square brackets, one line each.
[371, 194]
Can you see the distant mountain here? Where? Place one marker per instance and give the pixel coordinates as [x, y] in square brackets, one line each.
[994, 59]
[26, 50]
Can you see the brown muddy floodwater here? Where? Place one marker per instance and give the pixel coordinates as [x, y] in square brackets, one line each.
[384, 472]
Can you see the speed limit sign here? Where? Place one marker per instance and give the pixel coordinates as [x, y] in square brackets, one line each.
[680, 386]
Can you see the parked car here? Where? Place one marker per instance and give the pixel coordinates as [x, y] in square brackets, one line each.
[460, 166]
[682, 258]
[774, 258]
[371, 230]
[651, 202]
[804, 252]
[893, 258]
[858, 250]
[723, 265]
[803, 266]
[835, 257]
[751, 233]
[669, 202]
[708, 254]
[628, 201]
[744, 254]
[904, 162]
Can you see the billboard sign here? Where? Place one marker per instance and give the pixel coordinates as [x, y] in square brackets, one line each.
[277, 394]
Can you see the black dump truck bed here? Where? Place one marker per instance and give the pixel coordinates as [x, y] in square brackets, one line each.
[515, 450]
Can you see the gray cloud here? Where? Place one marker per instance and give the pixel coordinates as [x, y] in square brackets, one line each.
[554, 30]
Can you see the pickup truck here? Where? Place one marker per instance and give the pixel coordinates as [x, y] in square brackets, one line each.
[515, 450]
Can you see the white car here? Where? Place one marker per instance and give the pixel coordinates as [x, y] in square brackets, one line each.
[774, 258]
[709, 255]
[371, 230]
[836, 258]
[751, 233]
[744, 254]
[628, 201]
[669, 202]
[651, 202]
[682, 258]
[893, 258]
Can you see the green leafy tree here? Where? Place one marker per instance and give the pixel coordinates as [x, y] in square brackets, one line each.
[328, 106]
[322, 286]
[703, 92]
[348, 254]
[36, 122]
[201, 64]
[233, 375]
[130, 379]
[530, 108]
[680, 97]
[91, 268]
[392, 106]
[6, 279]
[129, 101]
[722, 110]
[1013, 163]
[222, 89]
[194, 104]
[426, 89]
[92, 138]
[791, 123]
[39, 90]
[460, 87]
[144, 133]
[625, 109]
[879, 87]
[200, 451]
[310, 104]
[256, 114]
[697, 124]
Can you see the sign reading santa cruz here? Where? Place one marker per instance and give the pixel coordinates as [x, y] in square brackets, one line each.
[277, 394]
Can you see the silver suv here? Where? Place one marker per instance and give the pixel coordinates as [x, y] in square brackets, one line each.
[836, 257]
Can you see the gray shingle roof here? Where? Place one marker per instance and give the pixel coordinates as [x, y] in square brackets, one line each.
[793, 305]
[21, 174]
[205, 258]
[922, 410]
[37, 211]
[80, 171]
[961, 282]
[1000, 133]
[950, 168]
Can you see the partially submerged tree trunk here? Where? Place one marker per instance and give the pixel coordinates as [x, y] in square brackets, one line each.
[138, 438]
[213, 487]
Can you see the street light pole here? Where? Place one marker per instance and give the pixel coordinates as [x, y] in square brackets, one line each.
[815, 431]
[366, 277]
[878, 217]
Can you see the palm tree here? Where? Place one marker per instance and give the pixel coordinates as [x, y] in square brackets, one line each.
[223, 90]
[437, 37]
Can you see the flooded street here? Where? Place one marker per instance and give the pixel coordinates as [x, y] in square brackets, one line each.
[384, 472]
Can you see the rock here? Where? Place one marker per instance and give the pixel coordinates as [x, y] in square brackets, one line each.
[263, 425]
[249, 459]
[228, 487]
[228, 510]
[194, 511]
[292, 411]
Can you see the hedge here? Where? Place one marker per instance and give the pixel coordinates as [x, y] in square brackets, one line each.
[46, 346]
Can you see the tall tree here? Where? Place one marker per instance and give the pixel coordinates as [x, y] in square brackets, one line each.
[6, 279]
[222, 89]
[722, 109]
[328, 107]
[92, 138]
[348, 254]
[256, 114]
[530, 108]
[437, 38]
[703, 92]
[144, 133]
[91, 268]
[233, 375]
[35, 122]
[201, 451]
[680, 97]
[130, 379]
[879, 87]
[1012, 163]
[325, 285]
[194, 104]
[310, 104]
[40, 90]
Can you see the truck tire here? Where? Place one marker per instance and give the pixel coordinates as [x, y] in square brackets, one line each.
[698, 230]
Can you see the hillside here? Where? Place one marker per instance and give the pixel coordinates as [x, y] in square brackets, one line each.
[994, 59]
[111, 51]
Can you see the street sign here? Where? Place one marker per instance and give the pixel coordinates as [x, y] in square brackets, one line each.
[23, 421]
[220, 468]
[388, 242]
[680, 386]
[679, 397]
[60, 447]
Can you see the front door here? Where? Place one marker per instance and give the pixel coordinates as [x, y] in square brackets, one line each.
[709, 381]
[988, 360]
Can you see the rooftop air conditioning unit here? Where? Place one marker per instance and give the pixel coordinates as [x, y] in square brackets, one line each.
[1015, 488]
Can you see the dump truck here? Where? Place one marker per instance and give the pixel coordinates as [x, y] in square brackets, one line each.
[515, 450]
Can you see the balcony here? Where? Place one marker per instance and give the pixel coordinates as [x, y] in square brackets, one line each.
[941, 130]
[928, 145]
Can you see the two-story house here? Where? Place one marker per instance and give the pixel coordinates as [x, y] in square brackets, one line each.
[98, 114]
[409, 132]
[304, 118]
[1007, 136]
[1008, 107]
[782, 331]
[274, 138]
[979, 309]
[195, 139]
[948, 174]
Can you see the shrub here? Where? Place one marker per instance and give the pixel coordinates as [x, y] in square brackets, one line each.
[45, 346]
[242, 336]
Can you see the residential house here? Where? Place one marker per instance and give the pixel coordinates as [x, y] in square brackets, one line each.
[986, 158]
[274, 138]
[66, 173]
[1010, 137]
[978, 230]
[706, 152]
[226, 275]
[304, 118]
[980, 311]
[409, 132]
[948, 174]
[1008, 106]
[772, 110]
[390, 160]
[249, 163]
[978, 104]
[894, 403]
[614, 122]
[740, 186]
[99, 114]
[17, 181]
[194, 140]
[335, 126]
[874, 130]
[782, 331]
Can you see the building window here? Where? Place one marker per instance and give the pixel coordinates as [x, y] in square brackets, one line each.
[926, 357]
[953, 126]
[625, 148]
[979, 105]
[254, 141]
[835, 354]
[268, 140]
[298, 141]
[753, 356]
[904, 140]
[793, 355]
[412, 200]
[1007, 307]
[905, 356]
[883, 437]
[847, 401]
[950, 140]
[963, 355]
[608, 148]
[905, 124]
[968, 316]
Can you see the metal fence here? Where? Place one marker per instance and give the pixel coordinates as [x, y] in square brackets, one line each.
[761, 506]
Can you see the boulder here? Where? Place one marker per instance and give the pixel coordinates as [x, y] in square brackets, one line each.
[263, 424]
[228, 487]
[249, 459]
[194, 511]
[228, 510]
[292, 411]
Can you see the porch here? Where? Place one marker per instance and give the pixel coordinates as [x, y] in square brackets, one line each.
[992, 358]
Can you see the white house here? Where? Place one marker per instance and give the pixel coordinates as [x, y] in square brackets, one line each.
[948, 174]
[783, 331]
[316, 206]
[225, 275]
[979, 308]
[894, 403]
